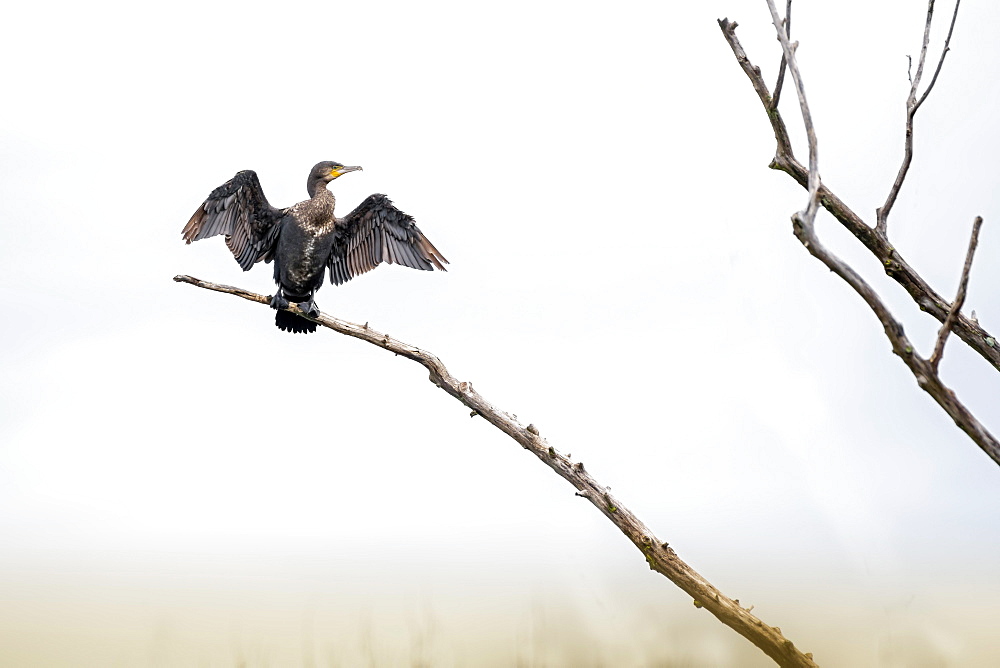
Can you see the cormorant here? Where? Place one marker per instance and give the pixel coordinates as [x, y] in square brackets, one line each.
[305, 239]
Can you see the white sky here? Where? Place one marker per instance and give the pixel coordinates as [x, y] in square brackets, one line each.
[623, 276]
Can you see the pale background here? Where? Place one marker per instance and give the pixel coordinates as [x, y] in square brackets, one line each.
[183, 484]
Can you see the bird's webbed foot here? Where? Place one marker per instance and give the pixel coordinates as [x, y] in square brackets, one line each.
[309, 308]
[278, 301]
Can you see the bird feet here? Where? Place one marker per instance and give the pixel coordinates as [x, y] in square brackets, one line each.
[309, 308]
[278, 302]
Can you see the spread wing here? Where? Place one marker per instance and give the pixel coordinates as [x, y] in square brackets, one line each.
[377, 232]
[239, 210]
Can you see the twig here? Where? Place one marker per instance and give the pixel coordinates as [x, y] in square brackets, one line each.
[895, 266]
[924, 371]
[912, 104]
[660, 556]
[809, 213]
[956, 306]
[915, 81]
[757, 80]
[781, 68]
[944, 52]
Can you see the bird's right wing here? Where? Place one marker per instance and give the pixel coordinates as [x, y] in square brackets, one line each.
[239, 210]
[377, 232]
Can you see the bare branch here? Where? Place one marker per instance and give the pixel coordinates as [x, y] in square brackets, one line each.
[956, 306]
[915, 81]
[781, 68]
[912, 104]
[753, 72]
[944, 52]
[659, 555]
[895, 266]
[924, 371]
[809, 213]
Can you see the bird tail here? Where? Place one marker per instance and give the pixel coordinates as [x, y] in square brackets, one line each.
[289, 322]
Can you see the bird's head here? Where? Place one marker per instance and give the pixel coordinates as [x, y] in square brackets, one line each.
[324, 172]
[328, 171]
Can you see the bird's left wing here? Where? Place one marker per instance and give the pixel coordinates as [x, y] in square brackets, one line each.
[239, 210]
[377, 232]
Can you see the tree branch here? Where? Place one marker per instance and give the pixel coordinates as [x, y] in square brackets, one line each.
[956, 306]
[912, 104]
[923, 370]
[781, 67]
[944, 52]
[915, 81]
[895, 266]
[807, 215]
[660, 557]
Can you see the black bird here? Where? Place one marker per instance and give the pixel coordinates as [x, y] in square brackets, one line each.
[305, 239]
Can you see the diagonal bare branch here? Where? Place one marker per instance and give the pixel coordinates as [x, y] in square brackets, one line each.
[808, 214]
[923, 370]
[757, 80]
[912, 104]
[956, 306]
[944, 52]
[893, 263]
[915, 81]
[659, 555]
[782, 66]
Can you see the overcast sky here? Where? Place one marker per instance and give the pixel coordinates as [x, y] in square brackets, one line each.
[623, 275]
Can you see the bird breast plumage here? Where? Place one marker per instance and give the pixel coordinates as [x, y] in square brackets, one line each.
[305, 244]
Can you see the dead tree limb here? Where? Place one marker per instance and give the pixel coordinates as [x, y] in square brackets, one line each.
[893, 263]
[781, 68]
[912, 105]
[659, 555]
[924, 371]
[807, 215]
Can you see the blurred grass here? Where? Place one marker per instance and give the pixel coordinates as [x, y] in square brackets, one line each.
[266, 624]
[260, 608]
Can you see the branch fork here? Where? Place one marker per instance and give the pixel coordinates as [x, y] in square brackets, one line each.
[875, 239]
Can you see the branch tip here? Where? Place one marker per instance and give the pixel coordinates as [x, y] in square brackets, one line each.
[912, 105]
